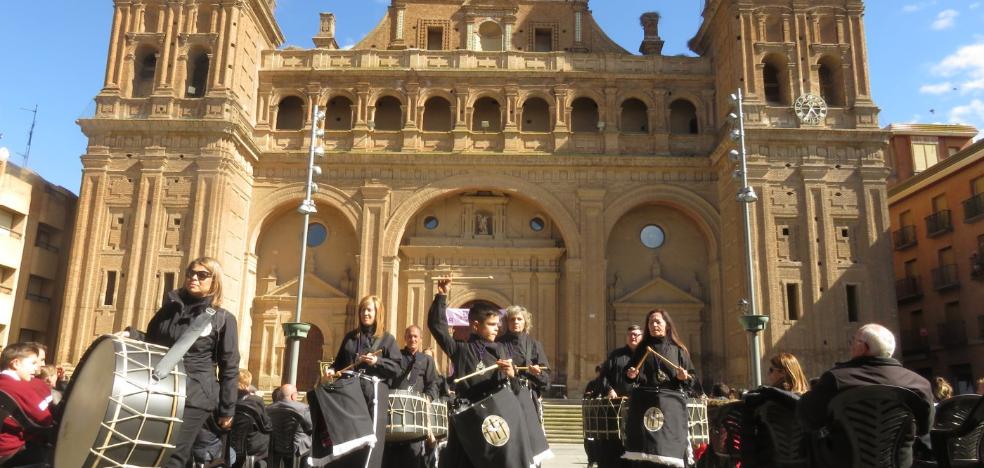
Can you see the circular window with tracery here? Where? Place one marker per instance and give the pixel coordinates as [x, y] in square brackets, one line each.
[317, 234]
[537, 224]
[652, 236]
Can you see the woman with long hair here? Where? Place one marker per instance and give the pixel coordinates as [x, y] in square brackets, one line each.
[374, 353]
[785, 373]
[212, 362]
[661, 337]
[525, 350]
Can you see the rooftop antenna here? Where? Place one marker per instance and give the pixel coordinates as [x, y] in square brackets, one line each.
[30, 134]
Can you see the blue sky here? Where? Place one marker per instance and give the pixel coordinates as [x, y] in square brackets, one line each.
[926, 59]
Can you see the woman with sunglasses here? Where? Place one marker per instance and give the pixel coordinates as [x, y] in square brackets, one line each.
[786, 374]
[217, 347]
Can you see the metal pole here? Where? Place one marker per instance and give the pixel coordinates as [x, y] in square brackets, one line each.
[746, 197]
[295, 343]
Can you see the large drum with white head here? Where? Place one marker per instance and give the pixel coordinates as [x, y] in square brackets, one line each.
[116, 414]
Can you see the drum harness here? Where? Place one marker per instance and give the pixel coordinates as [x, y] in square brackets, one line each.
[188, 338]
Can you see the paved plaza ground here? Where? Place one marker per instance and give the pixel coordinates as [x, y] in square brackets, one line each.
[566, 455]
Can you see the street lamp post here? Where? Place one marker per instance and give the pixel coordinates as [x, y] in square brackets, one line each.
[295, 331]
[750, 320]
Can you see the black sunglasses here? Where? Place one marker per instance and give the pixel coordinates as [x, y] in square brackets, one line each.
[201, 275]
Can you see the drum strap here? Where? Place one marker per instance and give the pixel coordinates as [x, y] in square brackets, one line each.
[177, 352]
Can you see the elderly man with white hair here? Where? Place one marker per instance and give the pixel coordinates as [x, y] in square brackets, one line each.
[871, 364]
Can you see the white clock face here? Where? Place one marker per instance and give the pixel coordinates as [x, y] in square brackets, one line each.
[811, 109]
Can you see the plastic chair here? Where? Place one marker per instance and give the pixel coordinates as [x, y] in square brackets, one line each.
[958, 433]
[726, 433]
[10, 408]
[286, 423]
[243, 425]
[871, 426]
[784, 433]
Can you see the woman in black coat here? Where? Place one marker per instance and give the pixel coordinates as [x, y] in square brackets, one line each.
[661, 336]
[374, 353]
[216, 349]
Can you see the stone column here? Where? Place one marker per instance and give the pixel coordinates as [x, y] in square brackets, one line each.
[375, 213]
[593, 304]
[398, 18]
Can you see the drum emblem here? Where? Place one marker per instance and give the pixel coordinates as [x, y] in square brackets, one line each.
[495, 430]
[653, 419]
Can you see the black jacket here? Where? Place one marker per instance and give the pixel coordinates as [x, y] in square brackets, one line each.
[358, 342]
[864, 370]
[418, 372]
[657, 373]
[525, 351]
[219, 348]
[613, 372]
[258, 438]
[466, 355]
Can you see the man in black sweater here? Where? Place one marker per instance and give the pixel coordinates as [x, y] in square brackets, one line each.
[615, 384]
[419, 375]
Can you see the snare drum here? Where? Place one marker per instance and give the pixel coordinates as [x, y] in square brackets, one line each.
[699, 430]
[438, 419]
[600, 417]
[409, 415]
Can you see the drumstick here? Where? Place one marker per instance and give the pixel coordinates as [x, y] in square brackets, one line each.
[671, 364]
[463, 278]
[642, 361]
[528, 368]
[350, 366]
[477, 373]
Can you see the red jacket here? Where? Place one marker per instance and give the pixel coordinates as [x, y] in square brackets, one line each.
[32, 402]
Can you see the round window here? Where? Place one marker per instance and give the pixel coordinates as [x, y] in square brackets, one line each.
[537, 224]
[652, 236]
[317, 234]
[431, 223]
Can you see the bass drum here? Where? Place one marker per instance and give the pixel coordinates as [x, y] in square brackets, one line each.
[115, 413]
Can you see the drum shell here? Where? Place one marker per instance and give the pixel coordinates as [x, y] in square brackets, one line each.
[438, 419]
[601, 417]
[409, 416]
[139, 416]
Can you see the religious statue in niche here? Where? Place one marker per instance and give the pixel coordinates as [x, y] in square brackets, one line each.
[483, 224]
[696, 289]
[656, 270]
[612, 288]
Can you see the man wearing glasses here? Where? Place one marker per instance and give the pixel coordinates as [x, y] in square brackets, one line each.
[614, 384]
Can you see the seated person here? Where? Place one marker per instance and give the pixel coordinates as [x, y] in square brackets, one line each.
[208, 445]
[871, 364]
[258, 436]
[284, 403]
[19, 363]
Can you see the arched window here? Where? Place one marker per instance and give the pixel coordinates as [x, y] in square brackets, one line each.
[831, 77]
[389, 115]
[290, 113]
[490, 36]
[144, 71]
[635, 116]
[536, 115]
[338, 113]
[196, 81]
[774, 79]
[683, 118]
[486, 116]
[584, 115]
[437, 115]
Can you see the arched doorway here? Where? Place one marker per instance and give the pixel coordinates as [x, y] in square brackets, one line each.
[308, 370]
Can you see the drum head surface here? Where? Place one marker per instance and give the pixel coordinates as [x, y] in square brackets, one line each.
[86, 406]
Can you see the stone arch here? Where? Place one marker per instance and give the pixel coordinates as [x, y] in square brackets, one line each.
[535, 115]
[775, 79]
[330, 94]
[830, 77]
[378, 94]
[437, 114]
[536, 194]
[197, 67]
[272, 203]
[291, 110]
[523, 97]
[487, 93]
[463, 296]
[646, 98]
[684, 116]
[689, 203]
[428, 93]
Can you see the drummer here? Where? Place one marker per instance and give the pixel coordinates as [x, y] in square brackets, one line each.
[374, 353]
[525, 350]
[419, 375]
[661, 336]
[217, 348]
[615, 384]
[479, 352]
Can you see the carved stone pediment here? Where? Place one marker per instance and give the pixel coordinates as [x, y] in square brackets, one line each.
[314, 287]
[659, 292]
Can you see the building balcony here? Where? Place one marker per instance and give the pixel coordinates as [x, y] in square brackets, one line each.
[977, 266]
[904, 237]
[907, 289]
[939, 223]
[974, 208]
[945, 277]
[953, 333]
[915, 341]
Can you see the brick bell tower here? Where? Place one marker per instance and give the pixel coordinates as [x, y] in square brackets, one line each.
[169, 144]
[817, 161]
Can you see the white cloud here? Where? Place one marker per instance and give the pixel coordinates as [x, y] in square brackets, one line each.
[945, 19]
[347, 46]
[966, 65]
[971, 113]
[939, 88]
[975, 5]
[914, 7]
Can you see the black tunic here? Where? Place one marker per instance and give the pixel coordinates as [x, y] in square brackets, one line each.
[466, 355]
[418, 373]
[613, 372]
[218, 348]
[656, 373]
[361, 341]
[527, 351]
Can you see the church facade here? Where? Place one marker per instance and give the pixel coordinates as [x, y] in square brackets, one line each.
[502, 138]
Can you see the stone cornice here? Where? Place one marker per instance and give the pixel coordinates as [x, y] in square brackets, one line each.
[242, 136]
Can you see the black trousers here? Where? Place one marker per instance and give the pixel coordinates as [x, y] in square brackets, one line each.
[192, 422]
[404, 455]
